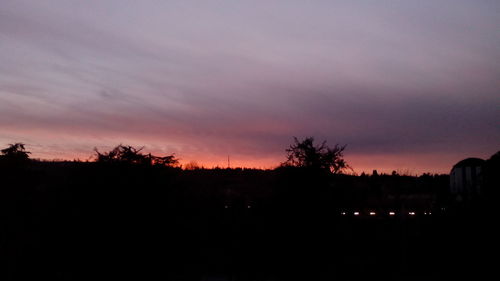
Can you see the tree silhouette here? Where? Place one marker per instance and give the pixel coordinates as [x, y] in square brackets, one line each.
[163, 161]
[305, 154]
[15, 153]
[130, 155]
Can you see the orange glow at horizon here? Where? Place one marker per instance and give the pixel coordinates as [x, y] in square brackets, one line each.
[402, 164]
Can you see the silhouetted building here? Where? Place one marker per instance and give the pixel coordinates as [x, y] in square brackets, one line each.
[466, 177]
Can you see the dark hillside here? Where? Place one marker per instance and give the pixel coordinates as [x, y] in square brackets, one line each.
[78, 220]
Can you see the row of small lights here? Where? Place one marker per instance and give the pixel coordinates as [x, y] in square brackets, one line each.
[390, 213]
[227, 207]
[358, 213]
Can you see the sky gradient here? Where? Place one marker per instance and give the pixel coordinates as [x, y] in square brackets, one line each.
[411, 86]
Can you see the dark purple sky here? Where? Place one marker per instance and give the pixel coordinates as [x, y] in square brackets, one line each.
[409, 85]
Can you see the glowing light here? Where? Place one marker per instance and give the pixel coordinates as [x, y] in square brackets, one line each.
[226, 206]
[356, 213]
[248, 207]
[372, 213]
[411, 213]
[343, 213]
[392, 214]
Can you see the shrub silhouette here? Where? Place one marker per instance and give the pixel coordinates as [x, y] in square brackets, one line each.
[15, 153]
[127, 154]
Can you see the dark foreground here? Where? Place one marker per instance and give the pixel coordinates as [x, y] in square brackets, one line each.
[83, 221]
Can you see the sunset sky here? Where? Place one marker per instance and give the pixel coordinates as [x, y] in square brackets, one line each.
[412, 86]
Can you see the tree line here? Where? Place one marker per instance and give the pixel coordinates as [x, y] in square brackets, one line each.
[301, 153]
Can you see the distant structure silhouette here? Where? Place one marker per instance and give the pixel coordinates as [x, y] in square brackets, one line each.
[466, 178]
